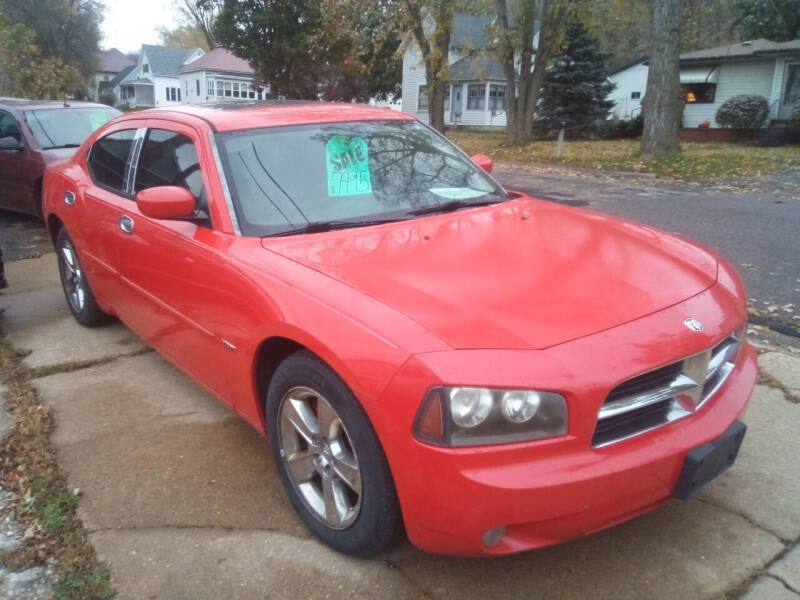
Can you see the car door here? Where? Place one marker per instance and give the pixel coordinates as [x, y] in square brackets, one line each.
[170, 266]
[18, 168]
[101, 206]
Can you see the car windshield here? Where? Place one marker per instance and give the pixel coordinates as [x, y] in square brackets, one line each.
[307, 178]
[67, 127]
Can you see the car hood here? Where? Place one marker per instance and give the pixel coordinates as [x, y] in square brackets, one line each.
[525, 274]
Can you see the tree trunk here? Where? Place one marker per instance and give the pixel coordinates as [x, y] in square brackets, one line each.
[435, 53]
[662, 104]
[436, 105]
[522, 89]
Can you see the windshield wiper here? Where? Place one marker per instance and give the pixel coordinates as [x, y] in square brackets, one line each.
[320, 226]
[451, 206]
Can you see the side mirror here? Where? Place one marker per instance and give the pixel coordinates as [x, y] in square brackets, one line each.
[484, 162]
[10, 143]
[166, 202]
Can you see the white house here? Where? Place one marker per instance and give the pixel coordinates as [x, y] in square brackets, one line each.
[110, 63]
[631, 81]
[156, 79]
[219, 76]
[166, 76]
[710, 77]
[476, 91]
[760, 67]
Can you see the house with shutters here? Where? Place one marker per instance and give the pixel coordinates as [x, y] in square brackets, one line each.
[165, 76]
[156, 79]
[476, 89]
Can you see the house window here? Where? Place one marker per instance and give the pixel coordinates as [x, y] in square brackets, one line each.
[792, 93]
[228, 89]
[699, 93]
[173, 94]
[219, 88]
[497, 98]
[422, 100]
[636, 95]
[235, 89]
[197, 86]
[145, 68]
[476, 96]
[210, 87]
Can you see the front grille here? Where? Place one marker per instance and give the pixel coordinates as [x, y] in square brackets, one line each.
[664, 395]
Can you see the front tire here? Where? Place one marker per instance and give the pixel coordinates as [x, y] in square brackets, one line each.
[80, 298]
[329, 458]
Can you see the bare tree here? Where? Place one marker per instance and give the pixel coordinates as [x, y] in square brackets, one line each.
[431, 24]
[515, 47]
[662, 104]
[203, 14]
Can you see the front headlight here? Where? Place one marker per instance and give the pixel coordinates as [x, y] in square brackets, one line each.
[469, 416]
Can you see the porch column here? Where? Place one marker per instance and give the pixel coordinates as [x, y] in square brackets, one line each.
[487, 114]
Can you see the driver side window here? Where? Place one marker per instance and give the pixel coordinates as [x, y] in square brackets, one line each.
[170, 158]
[9, 127]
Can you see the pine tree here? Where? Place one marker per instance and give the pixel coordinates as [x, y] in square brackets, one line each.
[576, 87]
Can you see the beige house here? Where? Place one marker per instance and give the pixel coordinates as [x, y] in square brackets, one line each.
[110, 63]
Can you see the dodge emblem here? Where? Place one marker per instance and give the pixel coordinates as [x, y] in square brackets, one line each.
[693, 324]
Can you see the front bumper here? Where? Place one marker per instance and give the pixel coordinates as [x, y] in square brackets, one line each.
[548, 491]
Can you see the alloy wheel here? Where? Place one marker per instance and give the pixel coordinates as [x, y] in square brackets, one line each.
[319, 458]
[72, 276]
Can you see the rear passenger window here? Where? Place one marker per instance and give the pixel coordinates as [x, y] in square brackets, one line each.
[169, 158]
[109, 158]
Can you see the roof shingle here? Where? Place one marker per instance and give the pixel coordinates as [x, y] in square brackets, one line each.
[743, 50]
[113, 61]
[219, 59]
[166, 61]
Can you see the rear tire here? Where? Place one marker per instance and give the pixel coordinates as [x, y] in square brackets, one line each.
[329, 458]
[80, 299]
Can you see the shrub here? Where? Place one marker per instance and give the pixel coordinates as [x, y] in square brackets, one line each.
[743, 112]
[794, 120]
[107, 97]
[617, 129]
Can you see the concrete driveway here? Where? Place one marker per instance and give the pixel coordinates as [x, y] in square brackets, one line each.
[182, 499]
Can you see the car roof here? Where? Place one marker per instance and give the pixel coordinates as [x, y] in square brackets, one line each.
[233, 116]
[22, 103]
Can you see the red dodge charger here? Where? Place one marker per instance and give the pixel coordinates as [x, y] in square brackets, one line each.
[421, 346]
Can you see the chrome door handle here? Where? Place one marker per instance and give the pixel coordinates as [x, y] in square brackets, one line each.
[126, 224]
[69, 198]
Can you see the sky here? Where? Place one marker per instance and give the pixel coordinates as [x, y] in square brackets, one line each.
[130, 23]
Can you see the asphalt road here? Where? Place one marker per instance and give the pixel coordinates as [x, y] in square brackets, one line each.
[756, 226]
[758, 230]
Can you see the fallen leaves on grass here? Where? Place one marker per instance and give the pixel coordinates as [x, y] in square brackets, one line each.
[705, 162]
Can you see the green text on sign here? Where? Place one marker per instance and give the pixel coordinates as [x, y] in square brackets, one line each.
[348, 166]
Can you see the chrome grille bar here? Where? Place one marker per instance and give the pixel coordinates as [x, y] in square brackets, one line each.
[659, 397]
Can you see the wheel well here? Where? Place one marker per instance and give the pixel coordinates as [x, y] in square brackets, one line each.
[271, 352]
[53, 225]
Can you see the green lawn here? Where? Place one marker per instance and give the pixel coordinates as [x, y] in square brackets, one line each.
[697, 161]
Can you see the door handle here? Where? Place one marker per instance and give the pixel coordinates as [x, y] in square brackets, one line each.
[126, 224]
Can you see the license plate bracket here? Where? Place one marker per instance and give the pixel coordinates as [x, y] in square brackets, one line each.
[706, 462]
